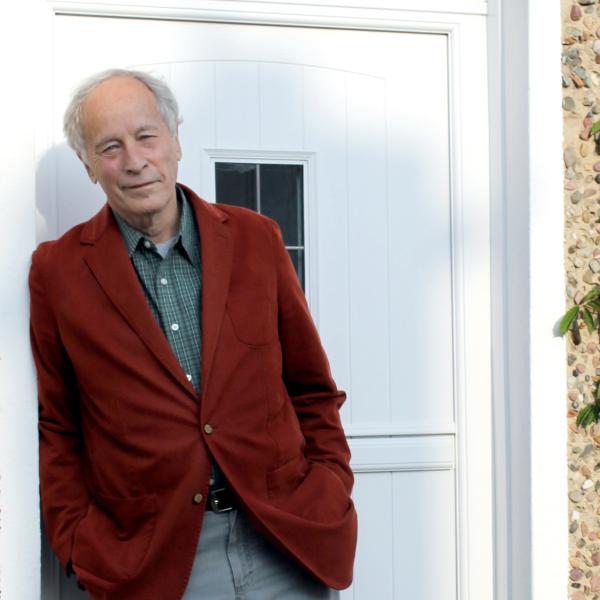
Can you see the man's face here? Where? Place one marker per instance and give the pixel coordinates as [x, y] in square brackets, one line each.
[130, 150]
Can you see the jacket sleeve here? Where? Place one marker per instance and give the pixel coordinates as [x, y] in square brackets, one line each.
[306, 372]
[65, 498]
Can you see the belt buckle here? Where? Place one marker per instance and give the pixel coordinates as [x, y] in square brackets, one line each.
[220, 500]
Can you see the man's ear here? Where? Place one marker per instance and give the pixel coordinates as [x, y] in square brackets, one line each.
[177, 144]
[88, 169]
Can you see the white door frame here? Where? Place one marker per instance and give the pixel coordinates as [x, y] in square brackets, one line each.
[528, 291]
[470, 262]
[526, 153]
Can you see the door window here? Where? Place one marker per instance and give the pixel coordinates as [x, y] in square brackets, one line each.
[273, 190]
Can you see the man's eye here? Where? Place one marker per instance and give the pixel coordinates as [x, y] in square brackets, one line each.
[109, 149]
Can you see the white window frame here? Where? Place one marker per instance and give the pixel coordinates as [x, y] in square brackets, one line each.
[274, 157]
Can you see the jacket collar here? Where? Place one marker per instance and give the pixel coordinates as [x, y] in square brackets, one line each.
[109, 262]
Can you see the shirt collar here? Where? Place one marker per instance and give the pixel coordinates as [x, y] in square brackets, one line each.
[186, 238]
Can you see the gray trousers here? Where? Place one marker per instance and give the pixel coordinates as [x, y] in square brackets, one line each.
[234, 562]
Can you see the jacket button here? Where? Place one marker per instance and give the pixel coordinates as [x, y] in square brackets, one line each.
[197, 499]
[208, 428]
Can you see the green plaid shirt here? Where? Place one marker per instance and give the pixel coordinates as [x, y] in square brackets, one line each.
[172, 285]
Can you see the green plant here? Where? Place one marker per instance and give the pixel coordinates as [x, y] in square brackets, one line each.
[590, 413]
[588, 310]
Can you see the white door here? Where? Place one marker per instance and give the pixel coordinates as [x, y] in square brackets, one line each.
[394, 248]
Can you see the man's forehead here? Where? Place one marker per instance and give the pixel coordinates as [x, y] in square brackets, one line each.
[117, 99]
[119, 87]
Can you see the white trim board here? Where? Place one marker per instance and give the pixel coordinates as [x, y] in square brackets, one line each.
[531, 507]
[468, 98]
[248, 11]
[402, 454]
[19, 505]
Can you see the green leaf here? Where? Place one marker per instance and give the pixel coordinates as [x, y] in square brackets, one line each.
[592, 294]
[594, 304]
[568, 319]
[597, 394]
[588, 319]
[587, 415]
[595, 128]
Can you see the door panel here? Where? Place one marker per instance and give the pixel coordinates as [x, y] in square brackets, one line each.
[378, 227]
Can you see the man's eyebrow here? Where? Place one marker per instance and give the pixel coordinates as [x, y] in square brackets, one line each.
[145, 128]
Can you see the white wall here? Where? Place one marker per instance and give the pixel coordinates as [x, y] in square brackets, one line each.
[531, 494]
[528, 290]
[19, 522]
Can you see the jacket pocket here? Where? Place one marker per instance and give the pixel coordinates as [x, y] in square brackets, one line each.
[111, 541]
[253, 319]
[287, 477]
[310, 490]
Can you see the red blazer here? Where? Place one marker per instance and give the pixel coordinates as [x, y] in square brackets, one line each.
[125, 442]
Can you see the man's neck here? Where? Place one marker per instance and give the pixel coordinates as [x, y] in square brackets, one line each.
[158, 227]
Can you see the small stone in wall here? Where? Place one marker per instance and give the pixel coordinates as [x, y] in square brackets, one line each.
[577, 80]
[570, 156]
[587, 128]
[576, 574]
[568, 103]
[576, 496]
[576, 13]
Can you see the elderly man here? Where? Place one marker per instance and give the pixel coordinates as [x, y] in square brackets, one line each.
[190, 440]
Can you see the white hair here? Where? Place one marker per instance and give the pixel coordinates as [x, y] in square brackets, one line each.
[165, 101]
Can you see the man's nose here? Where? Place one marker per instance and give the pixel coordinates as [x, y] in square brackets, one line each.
[134, 159]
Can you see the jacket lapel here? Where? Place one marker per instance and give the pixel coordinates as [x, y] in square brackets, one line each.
[109, 262]
[216, 244]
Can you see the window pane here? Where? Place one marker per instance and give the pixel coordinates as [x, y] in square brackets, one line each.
[281, 199]
[297, 257]
[236, 184]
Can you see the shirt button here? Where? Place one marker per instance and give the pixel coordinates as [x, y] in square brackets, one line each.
[175, 327]
[208, 428]
[164, 281]
[189, 377]
[197, 499]
[211, 481]
[148, 243]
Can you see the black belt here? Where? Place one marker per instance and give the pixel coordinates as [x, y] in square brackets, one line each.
[220, 500]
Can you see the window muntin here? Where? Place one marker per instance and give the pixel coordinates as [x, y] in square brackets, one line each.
[274, 190]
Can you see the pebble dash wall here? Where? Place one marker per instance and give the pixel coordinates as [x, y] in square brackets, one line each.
[581, 109]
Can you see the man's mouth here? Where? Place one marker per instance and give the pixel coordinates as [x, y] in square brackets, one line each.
[139, 186]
